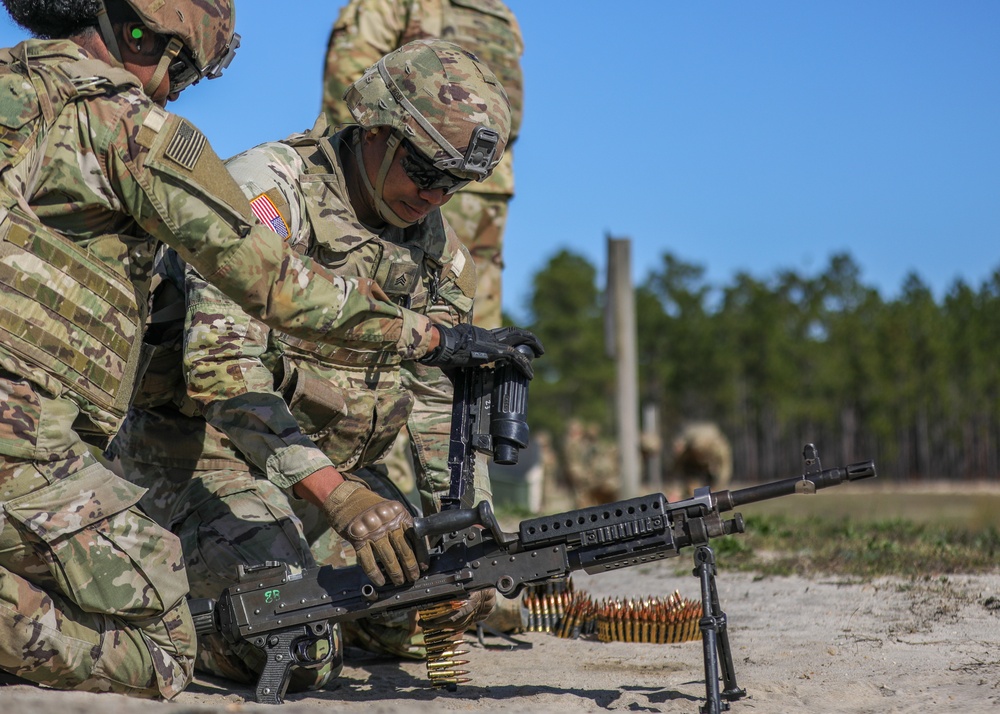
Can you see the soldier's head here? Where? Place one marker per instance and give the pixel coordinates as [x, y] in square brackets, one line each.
[432, 113]
[182, 40]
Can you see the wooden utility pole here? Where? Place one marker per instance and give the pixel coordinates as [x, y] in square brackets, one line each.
[621, 342]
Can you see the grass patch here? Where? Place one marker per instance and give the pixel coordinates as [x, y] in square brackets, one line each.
[784, 545]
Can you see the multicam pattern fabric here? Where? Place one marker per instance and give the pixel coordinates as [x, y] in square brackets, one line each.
[205, 26]
[277, 407]
[268, 391]
[226, 518]
[367, 29]
[484, 216]
[436, 94]
[88, 168]
[92, 591]
[122, 182]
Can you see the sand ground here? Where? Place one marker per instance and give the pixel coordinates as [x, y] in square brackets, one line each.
[816, 645]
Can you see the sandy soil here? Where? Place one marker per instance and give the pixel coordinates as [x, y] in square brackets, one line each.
[814, 645]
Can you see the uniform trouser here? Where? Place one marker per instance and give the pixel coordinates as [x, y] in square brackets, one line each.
[225, 518]
[479, 219]
[92, 591]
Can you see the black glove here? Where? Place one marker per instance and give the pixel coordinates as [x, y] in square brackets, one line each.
[471, 346]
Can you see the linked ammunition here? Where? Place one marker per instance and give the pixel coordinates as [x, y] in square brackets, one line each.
[444, 646]
[558, 608]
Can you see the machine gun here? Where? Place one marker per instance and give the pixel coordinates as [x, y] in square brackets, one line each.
[283, 610]
[489, 415]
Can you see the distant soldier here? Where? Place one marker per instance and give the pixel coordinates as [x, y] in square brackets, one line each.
[590, 464]
[702, 456]
[556, 494]
[368, 29]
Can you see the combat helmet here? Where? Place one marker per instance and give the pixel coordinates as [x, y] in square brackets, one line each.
[202, 36]
[443, 102]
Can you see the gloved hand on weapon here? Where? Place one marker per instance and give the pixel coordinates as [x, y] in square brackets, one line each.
[476, 608]
[470, 346]
[377, 528]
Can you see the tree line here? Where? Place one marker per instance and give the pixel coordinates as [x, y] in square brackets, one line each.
[911, 382]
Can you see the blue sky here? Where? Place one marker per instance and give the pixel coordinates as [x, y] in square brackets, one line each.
[741, 136]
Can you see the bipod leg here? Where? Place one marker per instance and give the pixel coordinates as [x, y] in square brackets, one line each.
[715, 638]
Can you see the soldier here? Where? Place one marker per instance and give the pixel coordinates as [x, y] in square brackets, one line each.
[95, 173]
[590, 464]
[702, 456]
[365, 202]
[367, 29]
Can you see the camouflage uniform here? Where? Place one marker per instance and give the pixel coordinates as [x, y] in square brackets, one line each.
[349, 402]
[702, 456]
[368, 29]
[94, 174]
[590, 464]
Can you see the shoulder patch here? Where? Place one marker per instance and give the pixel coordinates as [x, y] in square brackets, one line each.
[466, 279]
[458, 265]
[151, 126]
[267, 213]
[156, 118]
[185, 146]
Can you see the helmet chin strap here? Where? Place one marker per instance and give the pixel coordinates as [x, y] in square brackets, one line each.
[381, 207]
[173, 49]
[108, 34]
[111, 42]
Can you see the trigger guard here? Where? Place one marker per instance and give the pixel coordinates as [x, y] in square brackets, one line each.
[320, 632]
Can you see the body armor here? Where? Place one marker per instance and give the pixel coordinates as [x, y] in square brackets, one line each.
[72, 311]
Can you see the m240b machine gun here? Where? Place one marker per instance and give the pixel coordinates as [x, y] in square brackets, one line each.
[283, 610]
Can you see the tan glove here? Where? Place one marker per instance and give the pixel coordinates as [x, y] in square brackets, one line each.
[476, 609]
[377, 528]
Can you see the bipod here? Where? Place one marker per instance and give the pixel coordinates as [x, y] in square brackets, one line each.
[714, 638]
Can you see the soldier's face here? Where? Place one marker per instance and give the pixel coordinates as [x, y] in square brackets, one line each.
[401, 194]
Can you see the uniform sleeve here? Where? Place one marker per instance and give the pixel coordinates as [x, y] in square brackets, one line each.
[364, 31]
[175, 187]
[226, 377]
[224, 348]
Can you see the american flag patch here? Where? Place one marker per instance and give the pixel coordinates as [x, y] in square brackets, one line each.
[267, 214]
[186, 146]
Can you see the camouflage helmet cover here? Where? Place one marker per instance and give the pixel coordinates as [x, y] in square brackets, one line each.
[441, 98]
[206, 27]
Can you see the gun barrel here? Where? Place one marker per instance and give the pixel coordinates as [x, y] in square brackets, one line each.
[807, 483]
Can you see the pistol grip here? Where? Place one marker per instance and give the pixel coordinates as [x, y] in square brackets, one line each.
[286, 649]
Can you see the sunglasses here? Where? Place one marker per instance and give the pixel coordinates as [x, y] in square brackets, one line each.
[421, 171]
[183, 72]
